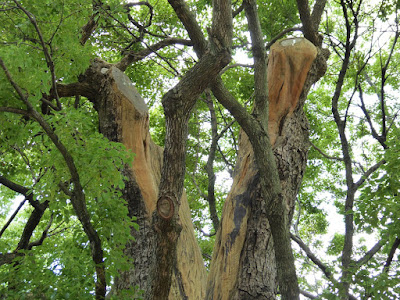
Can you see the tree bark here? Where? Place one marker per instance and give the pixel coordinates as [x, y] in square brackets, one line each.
[123, 117]
[243, 264]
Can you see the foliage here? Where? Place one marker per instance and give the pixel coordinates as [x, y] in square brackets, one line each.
[366, 104]
[61, 267]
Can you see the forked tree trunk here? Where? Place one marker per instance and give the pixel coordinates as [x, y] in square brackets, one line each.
[123, 117]
[243, 265]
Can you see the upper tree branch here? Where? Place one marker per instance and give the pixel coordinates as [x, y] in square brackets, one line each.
[12, 217]
[320, 264]
[210, 162]
[368, 173]
[389, 259]
[260, 61]
[192, 27]
[19, 189]
[309, 27]
[383, 82]
[341, 125]
[15, 111]
[380, 138]
[324, 154]
[308, 294]
[363, 260]
[43, 236]
[178, 104]
[35, 216]
[314, 259]
[132, 57]
[88, 29]
[31, 225]
[49, 60]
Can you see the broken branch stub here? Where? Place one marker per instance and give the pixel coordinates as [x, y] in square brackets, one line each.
[165, 207]
[288, 66]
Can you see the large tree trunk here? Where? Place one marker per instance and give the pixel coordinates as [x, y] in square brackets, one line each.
[243, 264]
[123, 117]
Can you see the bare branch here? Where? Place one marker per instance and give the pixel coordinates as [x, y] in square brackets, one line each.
[313, 258]
[308, 295]
[383, 82]
[368, 173]
[199, 190]
[43, 236]
[175, 71]
[363, 260]
[309, 28]
[326, 155]
[31, 225]
[238, 10]
[341, 126]
[140, 3]
[374, 133]
[317, 12]
[260, 61]
[16, 87]
[231, 66]
[88, 29]
[225, 129]
[205, 233]
[20, 189]
[15, 111]
[210, 162]
[12, 217]
[46, 102]
[192, 27]
[227, 162]
[132, 57]
[27, 162]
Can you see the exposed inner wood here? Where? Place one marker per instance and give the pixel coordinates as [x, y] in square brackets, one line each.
[244, 234]
[133, 126]
[288, 66]
[243, 262]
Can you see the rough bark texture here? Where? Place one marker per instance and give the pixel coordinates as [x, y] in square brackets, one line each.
[243, 261]
[243, 264]
[123, 117]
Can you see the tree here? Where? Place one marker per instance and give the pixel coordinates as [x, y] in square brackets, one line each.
[76, 144]
[361, 167]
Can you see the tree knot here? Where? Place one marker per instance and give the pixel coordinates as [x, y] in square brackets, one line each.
[166, 207]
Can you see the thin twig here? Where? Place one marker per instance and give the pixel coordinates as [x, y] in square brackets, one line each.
[363, 260]
[313, 257]
[12, 217]
[368, 173]
[49, 60]
[281, 35]
[389, 259]
[324, 154]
